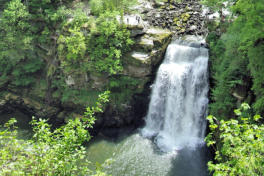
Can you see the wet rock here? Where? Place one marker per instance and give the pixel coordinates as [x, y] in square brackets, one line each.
[159, 36]
[146, 43]
[141, 57]
[142, 6]
[28, 105]
[137, 71]
[158, 4]
[193, 28]
[99, 80]
[189, 14]
[136, 32]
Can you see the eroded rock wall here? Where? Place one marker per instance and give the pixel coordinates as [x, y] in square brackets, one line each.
[152, 29]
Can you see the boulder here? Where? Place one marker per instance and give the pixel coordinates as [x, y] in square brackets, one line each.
[146, 43]
[159, 36]
[70, 81]
[148, 51]
[135, 24]
[143, 58]
[137, 71]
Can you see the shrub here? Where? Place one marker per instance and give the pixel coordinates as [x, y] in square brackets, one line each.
[238, 144]
[107, 44]
[100, 6]
[50, 152]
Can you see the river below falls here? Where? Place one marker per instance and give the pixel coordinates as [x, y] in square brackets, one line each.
[133, 155]
[130, 154]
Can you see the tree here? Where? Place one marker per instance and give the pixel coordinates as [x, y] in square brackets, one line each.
[56, 39]
[219, 6]
[50, 152]
[16, 45]
[237, 57]
[107, 43]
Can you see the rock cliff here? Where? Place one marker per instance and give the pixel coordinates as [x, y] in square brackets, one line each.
[152, 29]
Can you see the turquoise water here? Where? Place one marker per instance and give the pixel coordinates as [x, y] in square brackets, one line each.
[23, 123]
[130, 154]
[133, 155]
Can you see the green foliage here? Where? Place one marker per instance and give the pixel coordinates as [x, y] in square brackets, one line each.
[237, 63]
[122, 88]
[238, 144]
[16, 47]
[15, 31]
[72, 47]
[58, 39]
[75, 50]
[100, 6]
[218, 5]
[90, 111]
[79, 96]
[107, 44]
[229, 69]
[119, 83]
[58, 152]
[23, 72]
[93, 45]
[256, 67]
[82, 95]
[237, 56]
[76, 45]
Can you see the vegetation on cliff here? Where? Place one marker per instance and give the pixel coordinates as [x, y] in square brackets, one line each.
[49, 46]
[44, 45]
[236, 54]
[236, 47]
[62, 54]
[57, 41]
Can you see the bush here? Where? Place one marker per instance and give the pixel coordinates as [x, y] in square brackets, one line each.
[238, 144]
[107, 44]
[50, 152]
[100, 6]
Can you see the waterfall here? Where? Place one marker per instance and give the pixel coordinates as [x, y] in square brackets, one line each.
[178, 106]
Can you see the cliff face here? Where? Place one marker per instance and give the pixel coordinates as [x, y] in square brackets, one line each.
[130, 89]
[130, 95]
[152, 31]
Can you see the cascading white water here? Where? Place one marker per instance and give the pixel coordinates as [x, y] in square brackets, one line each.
[176, 115]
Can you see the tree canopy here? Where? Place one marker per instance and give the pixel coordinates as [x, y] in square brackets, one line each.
[58, 40]
[237, 55]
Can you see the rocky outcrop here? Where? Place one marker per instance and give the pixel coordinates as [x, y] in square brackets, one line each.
[152, 31]
[181, 17]
[139, 65]
[147, 52]
[129, 98]
[14, 102]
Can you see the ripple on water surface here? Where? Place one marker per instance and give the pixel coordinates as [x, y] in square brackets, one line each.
[137, 156]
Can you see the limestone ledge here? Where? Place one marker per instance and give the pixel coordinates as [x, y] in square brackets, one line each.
[28, 105]
[147, 52]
